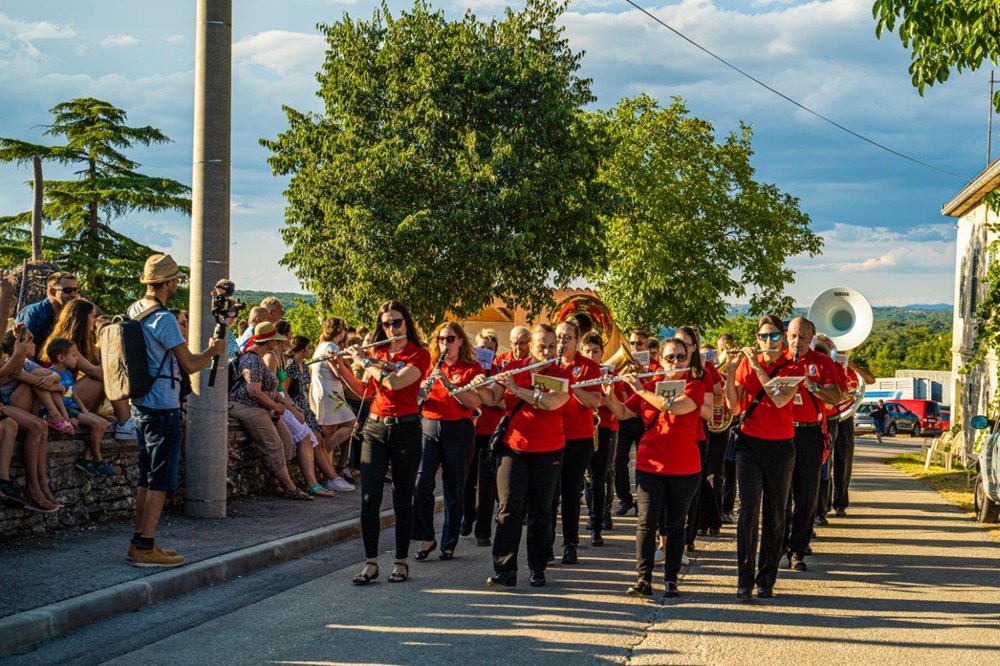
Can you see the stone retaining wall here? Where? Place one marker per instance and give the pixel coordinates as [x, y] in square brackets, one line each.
[99, 499]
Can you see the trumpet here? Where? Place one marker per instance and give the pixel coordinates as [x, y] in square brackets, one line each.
[489, 381]
[345, 352]
[603, 381]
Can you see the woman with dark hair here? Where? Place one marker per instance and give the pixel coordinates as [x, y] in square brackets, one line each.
[667, 464]
[528, 461]
[327, 401]
[448, 437]
[765, 456]
[392, 432]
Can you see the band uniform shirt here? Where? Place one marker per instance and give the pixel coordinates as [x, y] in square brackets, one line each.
[402, 402]
[819, 368]
[490, 417]
[162, 333]
[608, 420]
[767, 421]
[534, 430]
[670, 445]
[578, 421]
[441, 406]
[842, 382]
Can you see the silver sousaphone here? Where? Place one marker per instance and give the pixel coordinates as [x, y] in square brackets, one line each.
[845, 316]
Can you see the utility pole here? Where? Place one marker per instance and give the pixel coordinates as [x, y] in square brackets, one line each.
[207, 434]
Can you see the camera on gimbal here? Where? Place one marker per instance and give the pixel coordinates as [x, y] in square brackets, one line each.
[224, 305]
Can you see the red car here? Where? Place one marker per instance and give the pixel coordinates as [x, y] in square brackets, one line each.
[929, 413]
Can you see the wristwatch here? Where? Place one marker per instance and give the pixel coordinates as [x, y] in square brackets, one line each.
[368, 362]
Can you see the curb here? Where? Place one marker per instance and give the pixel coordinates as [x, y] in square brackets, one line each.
[31, 627]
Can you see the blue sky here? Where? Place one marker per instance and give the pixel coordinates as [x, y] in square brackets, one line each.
[879, 215]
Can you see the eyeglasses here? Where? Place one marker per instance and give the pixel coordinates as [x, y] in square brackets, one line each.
[565, 337]
[392, 323]
[674, 358]
[773, 337]
[447, 338]
[70, 290]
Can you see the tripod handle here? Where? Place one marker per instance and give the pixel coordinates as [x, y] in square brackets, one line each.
[218, 334]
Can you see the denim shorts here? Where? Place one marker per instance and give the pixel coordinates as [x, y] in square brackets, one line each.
[158, 433]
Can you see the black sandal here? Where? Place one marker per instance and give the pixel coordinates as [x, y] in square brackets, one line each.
[421, 555]
[363, 578]
[399, 576]
[447, 555]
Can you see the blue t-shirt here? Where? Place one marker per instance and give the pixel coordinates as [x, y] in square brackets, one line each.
[243, 340]
[40, 319]
[162, 334]
[68, 382]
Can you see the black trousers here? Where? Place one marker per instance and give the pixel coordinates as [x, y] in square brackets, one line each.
[826, 472]
[526, 483]
[601, 482]
[711, 512]
[801, 507]
[843, 464]
[448, 445]
[699, 501]
[480, 491]
[764, 476]
[577, 457]
[630, 432]
[670, 494]
[729, 474]
[382, 444]
[357, 437]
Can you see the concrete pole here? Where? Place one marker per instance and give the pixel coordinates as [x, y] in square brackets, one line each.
[206, 455]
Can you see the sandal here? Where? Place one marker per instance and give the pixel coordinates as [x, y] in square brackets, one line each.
[447, 555]
[63, 426]
[320, 491]
[398, 576]
[295, 495]
[363, 578]
[421, 555]
[41, 506]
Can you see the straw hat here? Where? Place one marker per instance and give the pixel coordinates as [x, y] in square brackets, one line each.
[160, 268]
[266, 332]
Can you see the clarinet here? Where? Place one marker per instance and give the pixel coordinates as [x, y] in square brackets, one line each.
[425, 390]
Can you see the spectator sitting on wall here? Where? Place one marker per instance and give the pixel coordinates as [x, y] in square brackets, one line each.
[78, 322]
[275, 309]
[65, 357]
[257, 315]
[39, 318]
[34, 387]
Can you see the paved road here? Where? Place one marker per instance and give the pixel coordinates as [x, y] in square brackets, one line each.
[905, 579]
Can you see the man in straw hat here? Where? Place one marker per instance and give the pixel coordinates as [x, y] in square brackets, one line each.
[157, 414]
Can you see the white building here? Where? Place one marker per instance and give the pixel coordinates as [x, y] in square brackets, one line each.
[973, 391]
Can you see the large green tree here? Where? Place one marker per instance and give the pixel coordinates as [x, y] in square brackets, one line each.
[690, 227]
[452, 163]
[108, 186]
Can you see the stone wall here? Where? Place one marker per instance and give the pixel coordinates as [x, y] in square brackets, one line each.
[99, 499]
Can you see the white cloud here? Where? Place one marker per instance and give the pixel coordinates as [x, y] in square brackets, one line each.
[31, 30]
[119, 40]
[175, 39]
[281, 51]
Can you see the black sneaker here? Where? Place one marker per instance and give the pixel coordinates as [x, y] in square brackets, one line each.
[502, 579]
[483, 542]
[640, 589]
[596, 539]
[822, 521]
[841, 513]
[608, 524]
[624, 507]
[796, 563]
[569, 554]
[536, 579]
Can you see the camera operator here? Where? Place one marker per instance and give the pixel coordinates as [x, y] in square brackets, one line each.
[157, 414]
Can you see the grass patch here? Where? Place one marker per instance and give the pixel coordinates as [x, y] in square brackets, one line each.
[954, 486]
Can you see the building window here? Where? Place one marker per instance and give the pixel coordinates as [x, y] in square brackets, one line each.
[973, 282]
[961, 287]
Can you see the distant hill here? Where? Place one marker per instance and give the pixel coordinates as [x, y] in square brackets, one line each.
[252, 298]
[932, 306]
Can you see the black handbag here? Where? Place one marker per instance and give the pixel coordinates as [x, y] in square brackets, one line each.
[736, 431]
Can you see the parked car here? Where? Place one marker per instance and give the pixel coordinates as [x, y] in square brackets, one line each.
[929, 412]
[987, 494]
[900, 420]
[945, 417]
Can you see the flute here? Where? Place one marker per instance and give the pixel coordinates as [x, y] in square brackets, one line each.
[614, 380]
[345, 352]
[489, 381]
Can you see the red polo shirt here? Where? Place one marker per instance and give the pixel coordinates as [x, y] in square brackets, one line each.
[578, 421]
[670, 446]
[404, 401]
[767, 421]
[444, 407]
[608, 420]
[819, 368]
[534, 430]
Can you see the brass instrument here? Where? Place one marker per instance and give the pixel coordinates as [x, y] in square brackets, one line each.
[846, 317]
[591, 314]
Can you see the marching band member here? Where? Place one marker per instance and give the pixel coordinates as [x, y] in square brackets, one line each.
[448, 437]
[520, 347]
[629, 433]
[601, 463]
[578, 427]
[392, 432]
[480, 485]
[528, 462]
[820, 387]
[726, 346]
[668, 463]
[823, 345]
[765, 455]
[711, 522]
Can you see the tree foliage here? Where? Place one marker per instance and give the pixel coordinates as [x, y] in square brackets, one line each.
[108, 187]
[451, 165]
[689, 225]
[942, 35]
[895, 344]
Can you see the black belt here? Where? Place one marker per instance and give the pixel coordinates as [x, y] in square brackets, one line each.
[801, 424]
[393, 420]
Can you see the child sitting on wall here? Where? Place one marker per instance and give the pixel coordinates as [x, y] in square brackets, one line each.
[33, 385]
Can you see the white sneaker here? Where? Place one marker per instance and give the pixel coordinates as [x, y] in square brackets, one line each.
[660, 556]
[339, 485]
[685, 560]
[126, 430]
[346, 475]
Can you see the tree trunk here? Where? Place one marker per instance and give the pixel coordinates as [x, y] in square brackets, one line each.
[36, 210]
[93, 206]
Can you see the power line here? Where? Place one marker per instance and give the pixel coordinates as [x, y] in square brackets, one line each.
[789, 99]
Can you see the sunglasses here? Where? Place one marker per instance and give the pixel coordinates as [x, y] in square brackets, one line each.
[674, 358]
[70, 290]
[773, 337]
[447, 338]
[392, 323]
